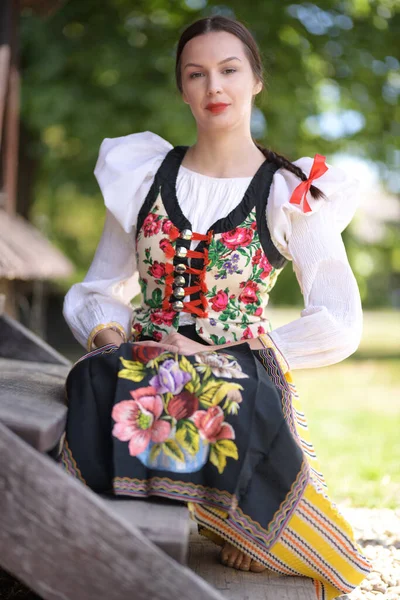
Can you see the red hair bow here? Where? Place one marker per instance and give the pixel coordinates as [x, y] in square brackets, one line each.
[318, 168]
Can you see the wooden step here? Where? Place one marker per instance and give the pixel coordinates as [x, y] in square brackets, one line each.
[242, 585]
[32, 401]
[166, 524]
[16, 341]
[62, 541]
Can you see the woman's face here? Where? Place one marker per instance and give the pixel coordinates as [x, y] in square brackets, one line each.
[208, 77]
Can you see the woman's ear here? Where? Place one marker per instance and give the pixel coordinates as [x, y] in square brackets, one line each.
[257, 88]
[184, 98]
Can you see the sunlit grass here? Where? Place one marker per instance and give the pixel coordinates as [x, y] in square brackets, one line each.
[353, 411]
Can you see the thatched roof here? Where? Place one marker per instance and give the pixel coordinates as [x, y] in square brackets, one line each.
[26, 254]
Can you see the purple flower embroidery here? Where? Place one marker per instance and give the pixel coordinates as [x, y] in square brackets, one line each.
[170, 378]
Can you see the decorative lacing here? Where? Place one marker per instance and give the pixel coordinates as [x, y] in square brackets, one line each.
[199, 306]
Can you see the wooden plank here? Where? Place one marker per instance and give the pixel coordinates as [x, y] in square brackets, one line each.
[16, 341]
[242, 585]
[62, 541]
[166, 524]
[32, 401]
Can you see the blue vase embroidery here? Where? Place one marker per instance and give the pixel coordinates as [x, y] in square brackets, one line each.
[163, 462]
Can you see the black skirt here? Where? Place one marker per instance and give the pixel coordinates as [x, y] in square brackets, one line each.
[220, 430]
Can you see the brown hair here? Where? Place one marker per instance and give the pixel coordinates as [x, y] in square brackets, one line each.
[220, 23]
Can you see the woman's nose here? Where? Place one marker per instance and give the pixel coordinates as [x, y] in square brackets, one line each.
[214, 85]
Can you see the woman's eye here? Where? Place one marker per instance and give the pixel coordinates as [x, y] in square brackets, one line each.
[194, 75]
[230, 70]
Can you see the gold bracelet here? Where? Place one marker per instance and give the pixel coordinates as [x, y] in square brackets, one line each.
[268, 342]
[114, 326]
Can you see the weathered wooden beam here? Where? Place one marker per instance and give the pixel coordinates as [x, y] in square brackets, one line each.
[18, 342]
[32, 401]
[62, 541]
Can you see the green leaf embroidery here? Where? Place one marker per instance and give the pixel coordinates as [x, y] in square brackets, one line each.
[187, 366]
[223, 390]
[134, 371]
[227, 448]
[188, 436]
[157, 297]
[209, 391]
[218, 459]
[155, 451]
[173, 450]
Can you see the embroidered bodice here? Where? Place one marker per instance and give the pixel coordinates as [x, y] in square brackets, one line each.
[224, 282]
[307, 233]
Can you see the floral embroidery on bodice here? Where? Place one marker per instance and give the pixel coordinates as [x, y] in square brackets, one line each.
[227, 276]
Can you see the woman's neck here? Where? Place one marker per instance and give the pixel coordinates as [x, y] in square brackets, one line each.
[227, 155]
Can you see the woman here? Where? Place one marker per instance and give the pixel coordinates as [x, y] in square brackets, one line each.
[201, 407]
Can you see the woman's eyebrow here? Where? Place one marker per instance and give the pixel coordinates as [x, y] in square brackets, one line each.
[220, 63]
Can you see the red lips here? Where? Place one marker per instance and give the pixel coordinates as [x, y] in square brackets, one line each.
[213, 105]
[216, 107]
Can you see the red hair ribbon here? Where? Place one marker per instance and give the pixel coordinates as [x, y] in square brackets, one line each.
[318, 168]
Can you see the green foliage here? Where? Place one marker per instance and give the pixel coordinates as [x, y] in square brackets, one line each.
[353, 412]
[104, 70]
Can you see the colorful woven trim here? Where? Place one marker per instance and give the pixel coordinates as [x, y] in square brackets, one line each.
[268, 342]
[112, 325]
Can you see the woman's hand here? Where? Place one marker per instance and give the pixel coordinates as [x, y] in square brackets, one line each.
[109, 336]
[164, 345]
[184, 345]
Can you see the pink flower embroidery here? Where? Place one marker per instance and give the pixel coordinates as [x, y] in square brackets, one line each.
[138, 420]
[266, 266]
[166, 225]
[151, 225]
[157, 269]
[162, 317]
[238, 237]
[257, 257]
[249, 293]
[211, 425]
[247, 334]
[219, 301]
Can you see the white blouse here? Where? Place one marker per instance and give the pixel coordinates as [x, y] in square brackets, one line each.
[330, 326]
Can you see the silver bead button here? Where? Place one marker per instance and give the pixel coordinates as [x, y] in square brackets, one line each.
[178, 305]
[181, 268]
[186, 234]
[179, 292]
[181, 252]
[179, 280]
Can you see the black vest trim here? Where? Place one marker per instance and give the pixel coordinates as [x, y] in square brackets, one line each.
[256, 196]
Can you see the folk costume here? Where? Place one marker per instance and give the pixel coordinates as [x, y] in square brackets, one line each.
[221, 430]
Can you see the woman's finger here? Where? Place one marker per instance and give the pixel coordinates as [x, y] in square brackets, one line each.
[169, 347]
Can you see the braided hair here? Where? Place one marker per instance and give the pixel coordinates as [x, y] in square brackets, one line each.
[285, 163]
[221, 23]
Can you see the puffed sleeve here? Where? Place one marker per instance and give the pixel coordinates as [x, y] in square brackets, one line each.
[125, 170]
[309, 234]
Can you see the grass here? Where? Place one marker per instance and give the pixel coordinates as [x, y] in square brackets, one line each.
[353, 412]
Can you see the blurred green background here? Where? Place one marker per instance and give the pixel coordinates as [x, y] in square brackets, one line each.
[96, 70]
